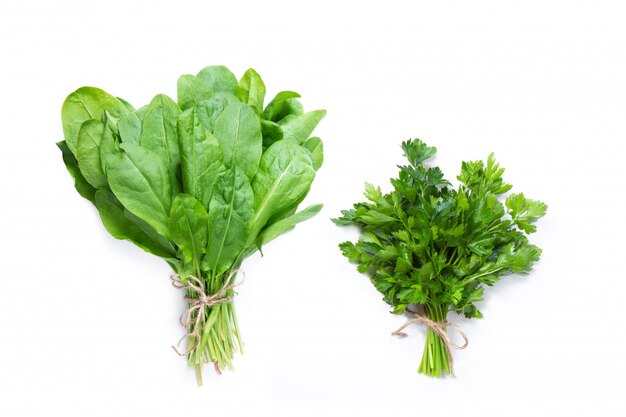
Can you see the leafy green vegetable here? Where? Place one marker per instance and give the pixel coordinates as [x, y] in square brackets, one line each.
[203, 182]
[231, 211]
[192, 91]
[429, 244]
[80, 183]
[285, 173]
[251, 90]
[84, 104]
[201, 156]
[238, 130]
[88, 152]
[189, 223]
[299, 127]
[160, 133]
[219, 79]
[123, 225]
[141, 180]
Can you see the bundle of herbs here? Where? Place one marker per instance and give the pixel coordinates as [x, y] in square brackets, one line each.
[431, 248]
[203, 183]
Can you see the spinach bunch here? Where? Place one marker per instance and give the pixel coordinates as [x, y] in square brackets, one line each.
[430, 245]
[202, 182]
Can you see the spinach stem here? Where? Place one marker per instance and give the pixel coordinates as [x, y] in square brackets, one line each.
[220, 338]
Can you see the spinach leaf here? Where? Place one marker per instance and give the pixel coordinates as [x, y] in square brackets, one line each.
[251, 90]
[129, 128]
[230, 213]
[219, 78]
[238, 131]
[84, 104]
[282, 105]
[201, 156]
[189, 227]
[88, 152]
[316, 147]
[126, 104]
[209, 110]
[288, 223]
[271, 132]
[203, 183]
[141, 112]
[159, 131]
[123, 227]
[284, 174]
[141, 181]
[191, 91]
[110, 142]
[299, 128]
[80, 183]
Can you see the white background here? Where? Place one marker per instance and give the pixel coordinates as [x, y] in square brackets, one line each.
[86, 322]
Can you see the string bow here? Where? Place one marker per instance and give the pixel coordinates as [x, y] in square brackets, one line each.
[195, 315]
[439, 328]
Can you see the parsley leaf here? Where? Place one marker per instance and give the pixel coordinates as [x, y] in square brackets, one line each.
[436, 247]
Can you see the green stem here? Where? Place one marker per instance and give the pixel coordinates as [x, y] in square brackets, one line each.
[435, 359]
[219, 337]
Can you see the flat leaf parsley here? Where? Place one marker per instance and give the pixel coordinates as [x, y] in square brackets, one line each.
[436, 247]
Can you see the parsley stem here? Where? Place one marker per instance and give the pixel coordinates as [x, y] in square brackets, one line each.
[435, 359]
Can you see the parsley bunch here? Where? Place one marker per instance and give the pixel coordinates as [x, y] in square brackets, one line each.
[429, 244]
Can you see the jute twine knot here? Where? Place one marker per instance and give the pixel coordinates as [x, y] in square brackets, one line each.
[439, 328]
[195, 315]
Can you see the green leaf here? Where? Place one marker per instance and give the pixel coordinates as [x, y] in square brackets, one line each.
[413, 295]
[283, 105]
[219, 78]
[316, 147]
[271, 132]
[238, 131]
[525, 212]
[282, 226]
[110, 141]
[472, 175]
[84, 104]
[417, 151]
[230, 214]
[493, 176]
[126, 104]
[124, 227]
[402, 266]
[462, 201]
[141, 181]
[209, 110]
[191, 91]
[188, 225]
[141, 112]
[350, 251]
[481, 245]
[372, 193]
[285, 173]
[82, 185]
[518, 259]
[201, 157]
[428, 243]
[299, 128]
[251, 90]
[129, 128]
[376, 218]
[88, 152]
[159, 130]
